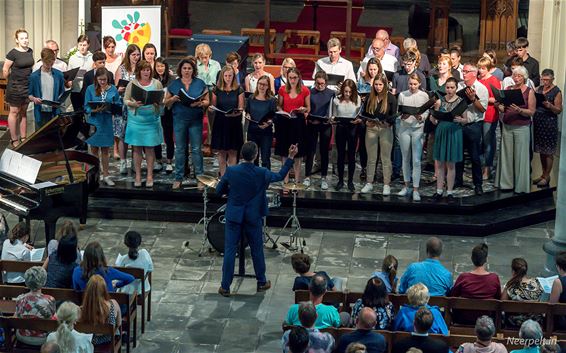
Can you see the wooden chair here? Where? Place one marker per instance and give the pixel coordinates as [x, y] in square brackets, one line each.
[330, 298]
[357, 44]
[139, 275]
[174, 34]
[220, 32]
[256, 39]
[510, 307]
[274, 70]
[398, 41]
[16, 266]
[307, 42]
[556, 311]
[471, 309]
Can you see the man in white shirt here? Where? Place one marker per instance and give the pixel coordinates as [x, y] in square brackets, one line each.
[390, 48]
[334, 64]
[59, 64]
[472, 121]
[388, 62]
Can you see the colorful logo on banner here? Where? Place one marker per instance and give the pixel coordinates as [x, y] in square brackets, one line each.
[132, 30]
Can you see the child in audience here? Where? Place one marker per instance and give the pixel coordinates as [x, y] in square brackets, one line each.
[137, 258]
[388, 273]
[302, 265]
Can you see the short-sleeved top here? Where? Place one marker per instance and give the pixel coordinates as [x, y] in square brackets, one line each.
[226, 100]
[34, 305]
[209, 77]
[405, 318]
[17, 252]
[22, 64]
[180, 110]
[303, 282]
[327, 316]
[385, 314]
[59, 274]
[258, 109]
[472, 113]
[429, 272]
[320, 101]
[142, 261]
[491, 114]
[293, 103]
[470, 285]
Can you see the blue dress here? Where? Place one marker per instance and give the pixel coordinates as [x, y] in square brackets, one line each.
[104, 135]
[144, 123]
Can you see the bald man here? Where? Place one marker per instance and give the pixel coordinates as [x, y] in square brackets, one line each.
[59, 64]
[390, 48]
[388, 62]
[374, 342]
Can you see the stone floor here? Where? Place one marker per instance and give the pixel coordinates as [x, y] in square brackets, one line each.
[188, 315]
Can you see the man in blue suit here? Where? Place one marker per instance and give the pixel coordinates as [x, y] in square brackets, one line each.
[245, 185]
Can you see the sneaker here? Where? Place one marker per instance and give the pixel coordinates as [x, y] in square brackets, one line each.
[386, 190]
[123, 167]
[307, 182]
[367, 188]
[416, 196]
[108, 181]
[339, 186]
[157, 167]
[323, 184]
[168, 168]
[404, 192]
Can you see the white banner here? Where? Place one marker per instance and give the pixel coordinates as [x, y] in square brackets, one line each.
[132, 25]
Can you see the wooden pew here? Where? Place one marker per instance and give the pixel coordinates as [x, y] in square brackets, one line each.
[139, 274]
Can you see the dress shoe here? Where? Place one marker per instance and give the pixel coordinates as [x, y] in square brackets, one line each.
[478, 190]
[351, 186]
[458, 184]
[436, 196]
[226, 293]
[339, 186]
[262, 288]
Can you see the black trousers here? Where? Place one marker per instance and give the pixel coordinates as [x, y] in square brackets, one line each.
[361, 137]
[167, 124]
[346, 137]
[472, 134]
[322, 133]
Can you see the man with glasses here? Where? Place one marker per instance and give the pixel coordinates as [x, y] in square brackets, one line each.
[472, 122]
[390, 48]
[59, 64]
[530, 63]
[334, 64]
[388, 62]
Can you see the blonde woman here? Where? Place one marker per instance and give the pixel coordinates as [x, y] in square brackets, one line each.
[67, 338]
[250, 83]
[280, 81]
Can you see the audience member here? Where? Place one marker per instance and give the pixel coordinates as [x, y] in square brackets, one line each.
[388, 273]
[558, 292]
[137, 258]
[260, 110]
[423, 324]
[163, 74]
[67, 228]
[320, 342]
[327, 315]
[364, 334]
[113, 59]
[34, 304]
[532, 335]
[521, 288]
[208, 68]
[58, 64]
[94, 263]
[98, 308]
[375, 297]
[50, 347]
[418, 297]
[429, 272]
[69, 339]
[356, 347]
[485, 330]
[15, 248]
[530, 63]
[281, 80]
[298, 340]
[335, 64]
[550, 348]
[302, 266]
[61, 264]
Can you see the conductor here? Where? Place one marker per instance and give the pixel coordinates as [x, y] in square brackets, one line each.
[245, 185]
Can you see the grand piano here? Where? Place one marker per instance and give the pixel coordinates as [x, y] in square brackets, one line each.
[44, 179]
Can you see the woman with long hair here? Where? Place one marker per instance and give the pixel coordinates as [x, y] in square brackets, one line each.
[375, 297]
[388, 273]
[15, 248]
[61, 264]
[373, 69]
[382, 106]
[67, 338]
[149, 53]
[113, 59]
[227, 135]
[521, 288]
[98, 308]
[163, 74]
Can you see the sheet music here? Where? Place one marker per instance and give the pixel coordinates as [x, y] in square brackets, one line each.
[20, 166]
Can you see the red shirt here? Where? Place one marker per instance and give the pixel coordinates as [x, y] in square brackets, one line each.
[293, 103]
[469, 285]
[491, 114]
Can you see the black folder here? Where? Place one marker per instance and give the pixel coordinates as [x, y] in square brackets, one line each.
[403, 109]
[70, 75]
[462, 94]
[449, 116]
[313, 117]
[508, 96]
[540, 99]
[108, 107]
[62, 98]
[147, 97]
[122, 83]
[334, 80]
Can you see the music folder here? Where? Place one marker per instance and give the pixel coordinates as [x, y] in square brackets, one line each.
[62, 98]
[229, 111]
[187, 99]
[70, 75]
[291, 115]
[122, 83]
[107, 107]
[267, 118]
[540, 99]
[147, 97]
[449, 116]
[404, 109]
[334, 80]
[376, 117]
[462, 94]
[314, 117]
[389, 75]
[508, 96]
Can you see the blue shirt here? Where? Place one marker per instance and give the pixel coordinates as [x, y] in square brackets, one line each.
[320, 342]
[535, 349]
[384, 277]
[259, 109]
[374, 342]
[111, 274]
[429, 272]
[404, 320]
[180, 110]
[327, 316]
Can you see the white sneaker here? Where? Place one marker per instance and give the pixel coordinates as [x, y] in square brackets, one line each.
[416, 196]
[169, 168]
[109, 181]
[404, 192]
[157, 167]
[123, 167]
[307, 182]
[386, 190]
[323, 184]
[367, 188]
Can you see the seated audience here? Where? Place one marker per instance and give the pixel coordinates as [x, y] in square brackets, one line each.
[98, 308]
[16, 249]
[356, 348]
[50, 347]
[521, 288]
[94, 263]
[34, 304]
[302, 266]
[485, 330]
[364, 334]
[137, 258]
[327, 315]
[375, 297]
[423, 323]
[418, 297]
[429, 272]
[61, 264]
[69, 339]
[298, 340]
[320, 342]
[531, 333]
[558, 292]
[550, 348]
[388, 273]
[67, 228]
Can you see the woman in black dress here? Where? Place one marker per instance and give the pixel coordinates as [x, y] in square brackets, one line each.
[17, 68]
[228, 104]
[545, 125]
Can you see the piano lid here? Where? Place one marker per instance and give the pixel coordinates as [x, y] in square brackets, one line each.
[46, 139]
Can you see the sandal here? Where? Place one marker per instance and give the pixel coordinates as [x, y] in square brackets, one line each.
[14, 143]
[176, 185]
[537, 180]
[544, 183]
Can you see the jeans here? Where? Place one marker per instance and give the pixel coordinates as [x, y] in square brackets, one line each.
[411, 142]
[233, 232]
[379, 139]
[167, 124]
[263, 141]
[191, 130]
[346, 136]
[489, 143]
[396, 157]
[472, 134]
[313, 133]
